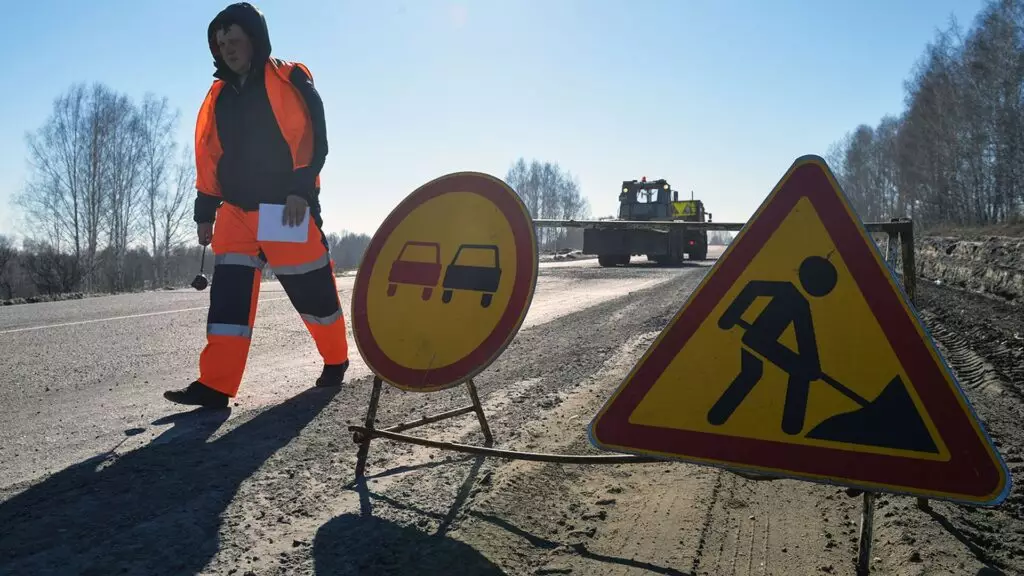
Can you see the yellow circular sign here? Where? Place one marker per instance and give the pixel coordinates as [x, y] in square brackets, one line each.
[445, 282]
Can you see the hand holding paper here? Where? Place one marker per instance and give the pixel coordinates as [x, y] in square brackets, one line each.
[272, 227]
[293, 208]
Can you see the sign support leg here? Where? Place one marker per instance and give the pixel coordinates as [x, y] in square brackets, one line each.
[867, 529]
[910, 287]
[905, 236]
[364, 439]
[909, 268]
[892, 250]
[479, 409]
[368, 432]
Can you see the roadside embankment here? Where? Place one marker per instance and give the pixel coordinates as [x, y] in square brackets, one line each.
[989, 265]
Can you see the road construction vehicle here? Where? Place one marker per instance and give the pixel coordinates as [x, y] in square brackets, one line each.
[652, 222]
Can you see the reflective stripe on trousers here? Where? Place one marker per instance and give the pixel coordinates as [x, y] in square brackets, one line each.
[297, 269]
[322, 320]
[238, 260]
[229, 330]
[215, 324]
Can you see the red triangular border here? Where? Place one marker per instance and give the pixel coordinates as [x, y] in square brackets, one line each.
[975, 473]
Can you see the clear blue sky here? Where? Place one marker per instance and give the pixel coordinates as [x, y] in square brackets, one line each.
[718, 96]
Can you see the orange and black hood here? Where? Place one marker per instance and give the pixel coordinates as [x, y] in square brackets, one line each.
[252, 22]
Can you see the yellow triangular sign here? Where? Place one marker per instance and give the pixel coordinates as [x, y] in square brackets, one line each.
[799, 356]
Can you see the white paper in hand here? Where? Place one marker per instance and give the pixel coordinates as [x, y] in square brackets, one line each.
[272, 229]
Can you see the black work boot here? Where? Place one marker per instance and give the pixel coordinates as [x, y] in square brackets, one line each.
[198, 394]
[333, 374]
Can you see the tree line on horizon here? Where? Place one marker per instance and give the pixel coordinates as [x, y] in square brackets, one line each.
[954, 157]
[107, 204]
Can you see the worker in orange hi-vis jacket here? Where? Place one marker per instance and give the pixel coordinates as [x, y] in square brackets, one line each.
[260, 139]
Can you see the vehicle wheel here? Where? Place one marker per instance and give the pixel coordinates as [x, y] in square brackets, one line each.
[606, 261]
[392, 288]
[446, 296]
[624, 260]
[427, 291]
[485, 300]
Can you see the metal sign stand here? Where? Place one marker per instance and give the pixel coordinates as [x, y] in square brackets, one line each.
[867, 529]
[363, 435]
[900, 232]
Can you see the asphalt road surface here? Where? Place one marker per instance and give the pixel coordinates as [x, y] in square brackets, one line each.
[78, 375]
[100, 475]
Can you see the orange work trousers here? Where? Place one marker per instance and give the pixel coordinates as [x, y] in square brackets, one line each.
[306, 273]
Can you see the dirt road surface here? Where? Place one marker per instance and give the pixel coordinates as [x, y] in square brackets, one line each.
[101, 476]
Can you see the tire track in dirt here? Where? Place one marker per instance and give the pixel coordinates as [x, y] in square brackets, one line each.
[706, 527]
[994, 536]
[991, 328]
[976, 336]
[778, 527]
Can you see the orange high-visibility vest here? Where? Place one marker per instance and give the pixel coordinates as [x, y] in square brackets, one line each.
[289, 109]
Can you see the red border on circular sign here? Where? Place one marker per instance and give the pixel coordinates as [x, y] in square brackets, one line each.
[524, 238]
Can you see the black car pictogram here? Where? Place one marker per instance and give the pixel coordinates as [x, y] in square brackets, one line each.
[471, 277]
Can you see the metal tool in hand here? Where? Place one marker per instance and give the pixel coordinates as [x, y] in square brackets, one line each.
[200, 282]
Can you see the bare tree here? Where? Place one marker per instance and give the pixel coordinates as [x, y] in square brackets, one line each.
[522, 179]
[173, 213]
[549, 192]
[347, 249]
[157, 119]
[96, 196]
[956, 153]
[124, 160]
[102, 184]
[53, 200]
[7, 255]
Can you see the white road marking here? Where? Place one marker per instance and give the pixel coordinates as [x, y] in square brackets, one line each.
[624, 287]
[95, 320]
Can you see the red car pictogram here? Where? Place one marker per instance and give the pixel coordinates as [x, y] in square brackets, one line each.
[415, 272]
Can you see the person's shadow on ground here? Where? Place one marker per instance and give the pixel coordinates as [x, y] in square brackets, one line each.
[154, 510]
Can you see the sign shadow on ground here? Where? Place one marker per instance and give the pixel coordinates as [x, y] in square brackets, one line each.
[362, 543]
[355, 544]
[154, 510]
[366, 544]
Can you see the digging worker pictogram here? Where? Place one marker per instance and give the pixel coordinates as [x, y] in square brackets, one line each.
[260, 138]
[787, 306]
